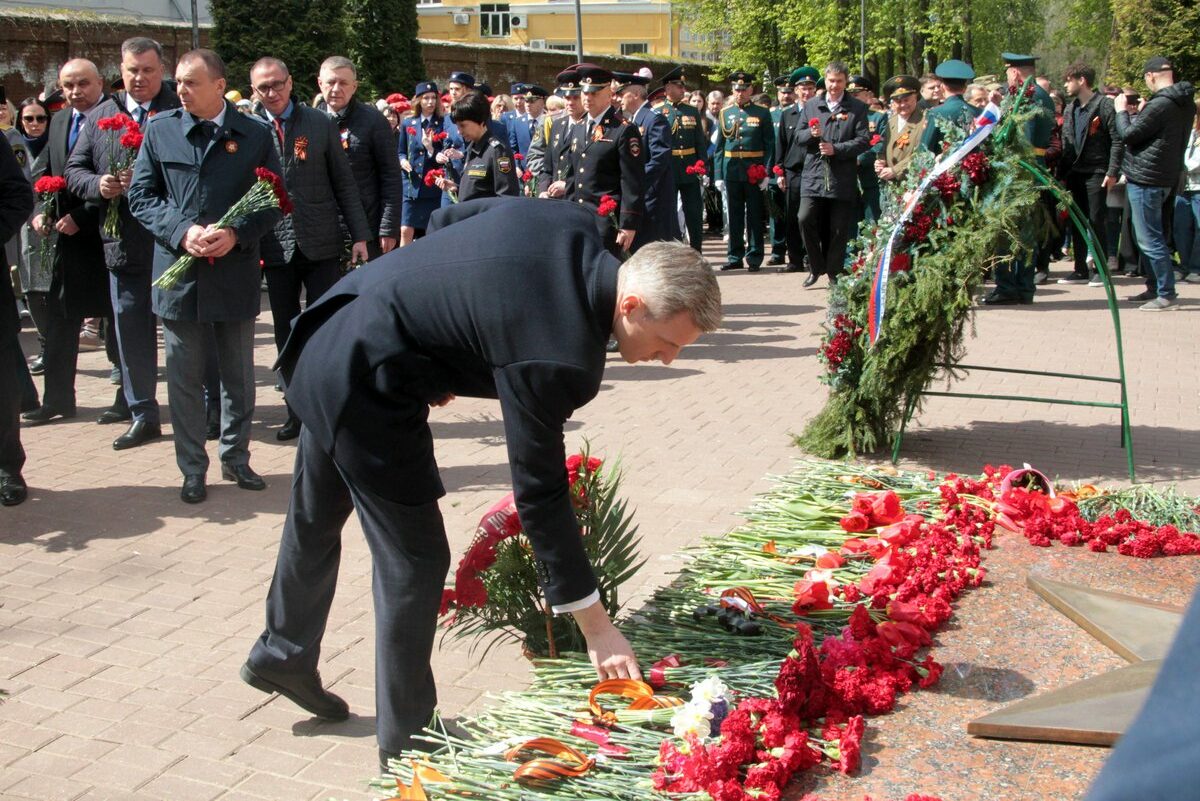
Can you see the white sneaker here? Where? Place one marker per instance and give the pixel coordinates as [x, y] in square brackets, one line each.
[1073, 279]
[1158, 304]
[1193, 278]
[1096, 281]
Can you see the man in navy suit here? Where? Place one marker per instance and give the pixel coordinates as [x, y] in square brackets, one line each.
[412, 330]
[522, 125]
[660, 220]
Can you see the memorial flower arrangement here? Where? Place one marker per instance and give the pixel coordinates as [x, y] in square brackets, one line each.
[267, 192]
[846, 574]
[969, 221]
[124, 140]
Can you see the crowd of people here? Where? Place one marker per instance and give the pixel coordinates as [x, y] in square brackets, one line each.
[796, 172]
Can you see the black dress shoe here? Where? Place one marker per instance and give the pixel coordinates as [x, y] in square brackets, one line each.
[246, 478]
[302, 689]
[37, 366]
[753, 268]
[290, 430]
[139, 433]
[790, 268]
[110, 416]
[810, 280]
[212, 431]
[12, 490]
[193, 490]
[732, 265]
[775, 260]
[996, 299]
[44, 414]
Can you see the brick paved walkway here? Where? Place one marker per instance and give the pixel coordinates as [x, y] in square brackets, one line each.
[125, 614]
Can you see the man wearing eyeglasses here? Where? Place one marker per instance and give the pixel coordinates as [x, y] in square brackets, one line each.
[304, 249]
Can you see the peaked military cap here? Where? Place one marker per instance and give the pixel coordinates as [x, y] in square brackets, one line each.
[860, 83]
[955, 70]
[658, 94]
[784, 81]
[674, 76]
[517, 89]
[901, 85]
[740, 78]
[622, 79]
[465, 78]
[805, 74]
[568, 82]
[1018, 60]
[593, 78]
[532, 90]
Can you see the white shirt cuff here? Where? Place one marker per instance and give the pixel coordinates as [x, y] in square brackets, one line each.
[575, 606]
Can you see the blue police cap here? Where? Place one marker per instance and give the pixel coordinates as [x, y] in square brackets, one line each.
[465, 78]
[423, 87]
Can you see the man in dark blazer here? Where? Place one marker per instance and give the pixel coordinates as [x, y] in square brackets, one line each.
[130, 257]
[660, 220]
[16, 204]
[305, 248]
[195, 163]
[371, 147]
[556, 176]
[415, 329]
[79, 287]
[522, 125]
[789, 155]
[829, 186]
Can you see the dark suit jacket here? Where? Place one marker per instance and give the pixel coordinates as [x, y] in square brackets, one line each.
[371, 147]
[320, 183]
[1101, 149]
[16, 204]
[661, 220]
[849, 136]
[611, 162]
[446, 316]
[134, 251]
[520, 132]
[789, 153]
[80, 282]
[171, 192]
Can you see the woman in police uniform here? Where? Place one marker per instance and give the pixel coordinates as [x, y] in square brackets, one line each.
[488, 168]
[420, 142]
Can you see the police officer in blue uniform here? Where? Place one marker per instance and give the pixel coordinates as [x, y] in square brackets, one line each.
[660, 220]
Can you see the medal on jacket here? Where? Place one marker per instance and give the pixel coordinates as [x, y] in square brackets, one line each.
[231, 146]
[300, 148]
[597, 133]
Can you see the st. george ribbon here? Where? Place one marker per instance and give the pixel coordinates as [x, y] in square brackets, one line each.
[985, 123]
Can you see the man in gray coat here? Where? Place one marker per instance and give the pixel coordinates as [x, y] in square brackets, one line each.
[195, 163]
[305, 247]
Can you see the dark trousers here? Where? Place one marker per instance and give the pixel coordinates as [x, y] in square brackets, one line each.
[779, 221]
[284, 282]
[1089, 196]
[60, 357]
[692, 200]
[12, 387]
[870, 205]
[136, 332]
[410, 557]
[745, 222]
[795, 241]
[186, 352]
[825, 224]
[39, 310]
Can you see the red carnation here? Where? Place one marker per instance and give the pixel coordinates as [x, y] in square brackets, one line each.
[49, 184]
[901, 263]
[113, 123]
[527, 176]
[876, 139]
[777, 170]
[814, 123]
[440, 136]
[518, 157]
[608, 206]
[756, 173]
[132, 139]
[411, 131]
[432, 176]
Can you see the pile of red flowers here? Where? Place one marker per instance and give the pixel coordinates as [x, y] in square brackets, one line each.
[756, 173]
[918, 227]
[948, 186]
[841, 343]
[977, 167]
[901, 263]
[696, 169]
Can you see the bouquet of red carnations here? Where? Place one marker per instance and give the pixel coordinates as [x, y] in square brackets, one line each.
[124, 140]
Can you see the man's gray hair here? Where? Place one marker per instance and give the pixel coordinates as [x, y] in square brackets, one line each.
[271, 61]
[837, 67]
[638, 89]
[212, 62]
[338, 63]
[672, 277]
[136, 45]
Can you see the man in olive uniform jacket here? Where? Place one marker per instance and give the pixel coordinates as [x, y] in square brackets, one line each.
[862, 88]
[902, 133]
[789, 155]
[745, 137]
[195, 163]
[785, 97]
[954, 110]
[688, 145]
[608, 158]
[1014, 278]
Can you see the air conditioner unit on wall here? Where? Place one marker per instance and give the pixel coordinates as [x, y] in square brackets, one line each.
[462, 19]
[518, 21]
[537, 44]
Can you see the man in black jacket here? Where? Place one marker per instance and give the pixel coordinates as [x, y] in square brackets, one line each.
[91, 174]
[789, 155]
[415, 329]
[369, 143]
[16, 204]
[1090, 163]
[1154, 142]
[305, 248]
[829, 187]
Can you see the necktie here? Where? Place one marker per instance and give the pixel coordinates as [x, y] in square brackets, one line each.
[73, 136]
[139, 115]
[279, 131]
[588, 133]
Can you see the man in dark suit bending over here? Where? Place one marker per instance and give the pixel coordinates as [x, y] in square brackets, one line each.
[414, 329]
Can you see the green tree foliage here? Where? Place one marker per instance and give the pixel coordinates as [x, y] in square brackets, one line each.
[902, 36]
[382, 39]
[1144, 28]
[300, 32]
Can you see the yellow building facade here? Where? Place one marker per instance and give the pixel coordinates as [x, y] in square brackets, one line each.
[617, 27]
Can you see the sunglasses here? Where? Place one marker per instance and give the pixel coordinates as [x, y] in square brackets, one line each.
[38, 118]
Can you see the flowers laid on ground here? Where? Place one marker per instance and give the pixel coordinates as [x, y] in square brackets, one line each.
[124, 140]
[852, 571]
[495, 594]
[267, 192]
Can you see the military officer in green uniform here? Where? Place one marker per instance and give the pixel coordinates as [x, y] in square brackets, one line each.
[862, 88]
[785, 98]
[745, 138]
[954, 110]
[903, 130]
[1015, 279]
[688, 145]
